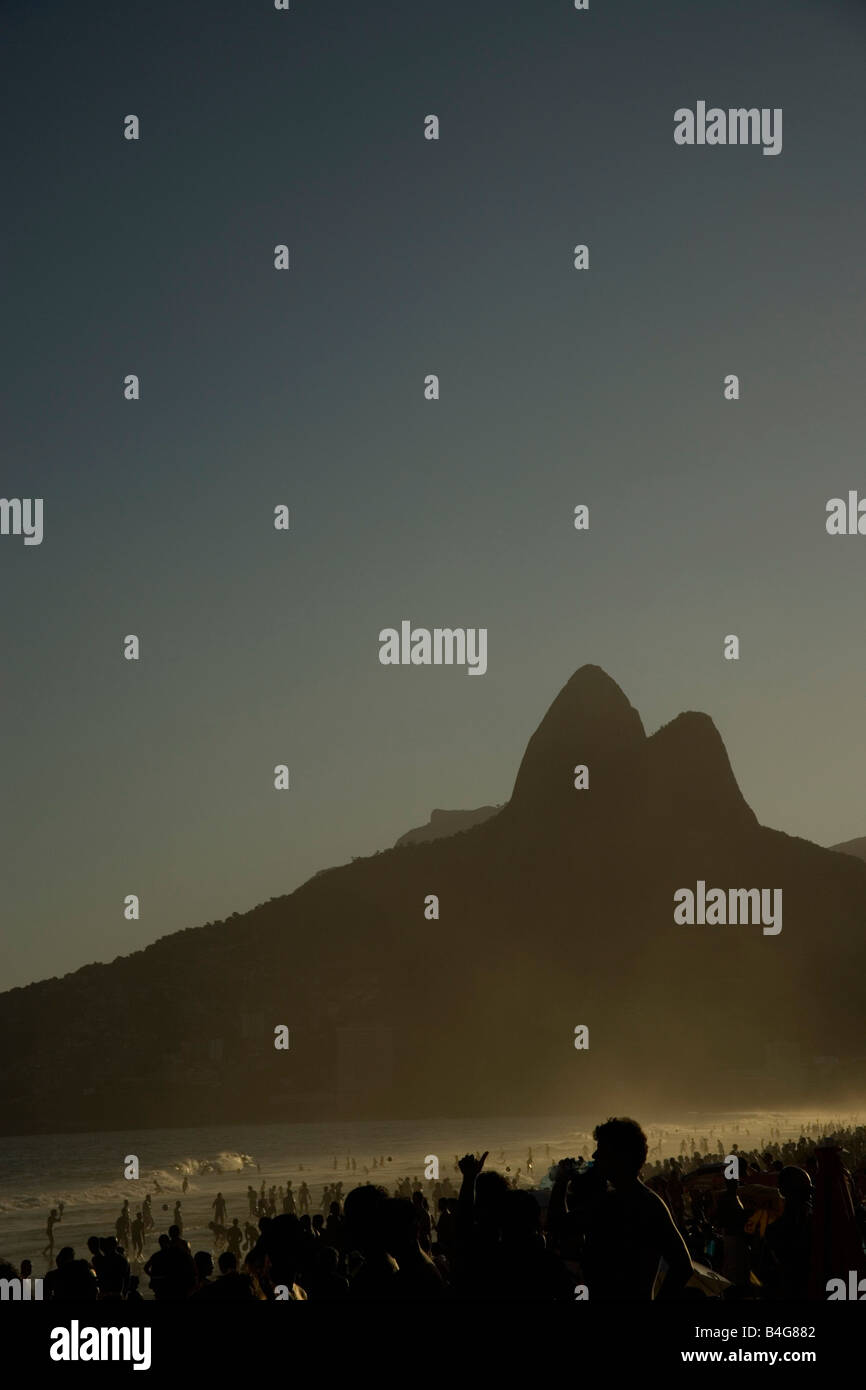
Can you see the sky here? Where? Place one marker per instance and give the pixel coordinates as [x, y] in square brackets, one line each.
[306, 388]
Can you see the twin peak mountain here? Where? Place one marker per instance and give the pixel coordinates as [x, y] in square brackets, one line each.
[681, 773]
[555, 910]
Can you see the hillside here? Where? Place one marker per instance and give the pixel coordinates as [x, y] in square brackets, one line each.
[556, 910]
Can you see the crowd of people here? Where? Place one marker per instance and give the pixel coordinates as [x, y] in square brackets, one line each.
[775, 1224]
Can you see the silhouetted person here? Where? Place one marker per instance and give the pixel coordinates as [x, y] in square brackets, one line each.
[203, 1262]
[72, 1280]
[528, 1270]
[53, 1218]
[234, 1239]
[787, 1254]
[122, 1228]
[230, 1285]
[333, 1232]
[171, 1268]
[112, 1269]
[675, 1193]
[445, 1237]
[628, 1228]
[417, 1275]
[137, 1236]
[477, 1266]
[219, 1209]
[181, 1268]
[731, 1220]
[374, 1274]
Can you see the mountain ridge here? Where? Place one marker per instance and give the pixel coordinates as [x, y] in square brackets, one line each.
[554, 911]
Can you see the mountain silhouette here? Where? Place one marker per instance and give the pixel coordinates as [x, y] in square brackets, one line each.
[442, 823]
[555, 911]
[856, 847]
[589, 724]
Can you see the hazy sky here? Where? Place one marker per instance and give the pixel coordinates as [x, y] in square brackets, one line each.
[306, 387]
